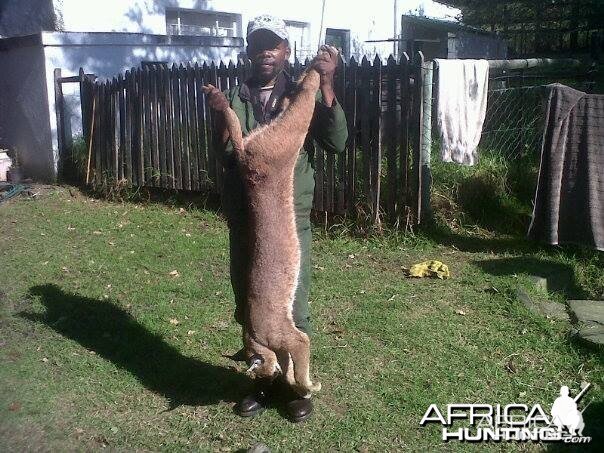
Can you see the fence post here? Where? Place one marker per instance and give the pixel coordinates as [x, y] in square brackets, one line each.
[416, 141]
[426, 142]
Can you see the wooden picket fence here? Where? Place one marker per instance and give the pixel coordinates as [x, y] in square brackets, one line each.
[153, 127]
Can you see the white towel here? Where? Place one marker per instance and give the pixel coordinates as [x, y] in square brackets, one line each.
[462, 104]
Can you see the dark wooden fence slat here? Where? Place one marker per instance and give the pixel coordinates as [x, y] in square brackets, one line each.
[147, 134]
[365, 94]
[193, 141]
[108, 128]
[154, 111]
[169, 124]
[340, 88]
[223, 84]
[152, 106]
[176, 140]
[115, 129]
[351, 118]
[232, 79]
[86, 105]
[162, 129]
[128, 95]
[320, 202]
[376, 142]
[140, 132]
[212, 77]
[106, 149]
[104, 134]
[201, 127]
[98, 132]
[391, 132]
[122, 127]
[137, 128]
[184, 123]
[240, 72]
[404, 134]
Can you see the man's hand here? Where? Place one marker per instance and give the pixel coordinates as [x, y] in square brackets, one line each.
[326, 63]
[216, 99]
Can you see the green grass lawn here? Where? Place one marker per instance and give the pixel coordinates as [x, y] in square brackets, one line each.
[114, 318]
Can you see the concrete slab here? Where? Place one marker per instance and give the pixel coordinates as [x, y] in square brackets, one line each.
[545, 308]
[589, 316]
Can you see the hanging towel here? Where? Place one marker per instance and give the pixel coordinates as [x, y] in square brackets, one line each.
[462, 104]
[569, 201]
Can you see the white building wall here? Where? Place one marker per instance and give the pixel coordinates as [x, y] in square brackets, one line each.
[374, 21]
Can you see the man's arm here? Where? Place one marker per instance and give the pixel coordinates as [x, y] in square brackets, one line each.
[328, 125]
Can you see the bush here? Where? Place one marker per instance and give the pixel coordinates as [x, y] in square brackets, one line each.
[495, 194]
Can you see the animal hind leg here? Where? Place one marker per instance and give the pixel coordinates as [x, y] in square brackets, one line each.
[299, 349]
[287, 367]
[262, 360]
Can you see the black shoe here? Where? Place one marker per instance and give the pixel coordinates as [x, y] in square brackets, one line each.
[255, 403]
[299, 409]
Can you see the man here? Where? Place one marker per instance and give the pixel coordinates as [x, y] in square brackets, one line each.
[256, 102]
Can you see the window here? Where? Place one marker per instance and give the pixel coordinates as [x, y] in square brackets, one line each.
[340, 39]
[299, 39]
[202, 23]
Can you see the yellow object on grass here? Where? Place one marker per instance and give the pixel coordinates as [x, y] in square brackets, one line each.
[430, 268]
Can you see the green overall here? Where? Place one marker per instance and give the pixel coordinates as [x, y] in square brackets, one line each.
[329, 130]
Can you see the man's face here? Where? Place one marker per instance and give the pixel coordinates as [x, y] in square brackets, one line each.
[268, 54]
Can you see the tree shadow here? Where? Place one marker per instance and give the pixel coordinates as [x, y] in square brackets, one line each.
[113, 334]
[500, 244]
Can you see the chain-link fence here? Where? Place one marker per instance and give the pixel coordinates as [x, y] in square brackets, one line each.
[513, 125]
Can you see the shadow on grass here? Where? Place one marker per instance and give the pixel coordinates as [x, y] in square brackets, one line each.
[442, 235]
[559, 277]
[113, 334]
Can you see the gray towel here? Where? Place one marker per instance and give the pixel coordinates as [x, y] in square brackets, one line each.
[569, 202]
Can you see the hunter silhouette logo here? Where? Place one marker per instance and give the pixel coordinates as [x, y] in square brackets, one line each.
[566, 414]
[512, 422]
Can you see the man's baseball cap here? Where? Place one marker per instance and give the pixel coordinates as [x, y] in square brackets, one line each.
[267, 22]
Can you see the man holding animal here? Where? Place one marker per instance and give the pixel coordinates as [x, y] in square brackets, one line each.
[257, 102]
